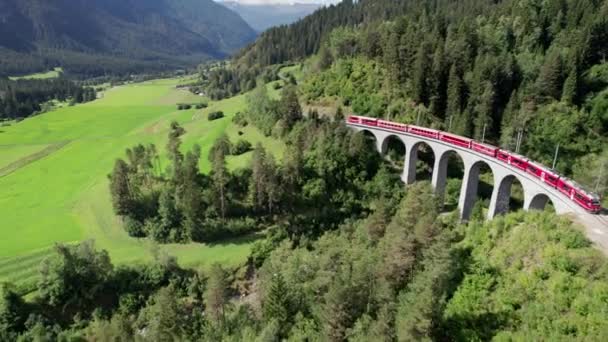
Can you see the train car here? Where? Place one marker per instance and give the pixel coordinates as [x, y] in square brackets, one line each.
[488, 150]
[543, 173]
[588, 201]
[354, 119]
[455, 140]
[392, 125]
[368, 121]
[512, 159]
[422, 131]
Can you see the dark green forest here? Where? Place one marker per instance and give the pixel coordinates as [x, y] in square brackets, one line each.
[22, 98]
[497, 69]
[348, 252]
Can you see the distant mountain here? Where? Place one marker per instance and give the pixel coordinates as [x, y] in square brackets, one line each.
[101, 35]
[264, 16]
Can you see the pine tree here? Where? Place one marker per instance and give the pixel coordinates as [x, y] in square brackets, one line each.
[277, 302]
[169, 215]
[438, 83]
[571, 86]
[422, 69]
[455, 92]
[290, 106]
[215, 296]
[220, 181]
[122, 199]
[484, 112]
[550, 80]
[257, 185]
[174, 143]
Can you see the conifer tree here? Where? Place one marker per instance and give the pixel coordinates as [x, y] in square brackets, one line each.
[215, 296]
[220, 181]
[122, 199]
[277, 302]
[455, 92]
[571, 86]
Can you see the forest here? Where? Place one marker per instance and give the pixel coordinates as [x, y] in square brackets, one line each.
[22, 98]
[492, 70]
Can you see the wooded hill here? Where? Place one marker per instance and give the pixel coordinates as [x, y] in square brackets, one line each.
[115, 36]
[503, 68]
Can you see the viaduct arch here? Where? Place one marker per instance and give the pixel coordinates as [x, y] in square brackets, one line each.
[536, 193]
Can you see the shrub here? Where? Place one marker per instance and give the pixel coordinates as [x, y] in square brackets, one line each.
[133, 227]
[242, 146]
[201, 105]
[183, 106]
[215, 115]
[240, 119]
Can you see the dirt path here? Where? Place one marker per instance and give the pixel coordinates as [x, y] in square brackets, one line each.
[16, 165]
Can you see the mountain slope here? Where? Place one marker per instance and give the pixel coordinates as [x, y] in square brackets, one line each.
[166, 32]
[262, 17]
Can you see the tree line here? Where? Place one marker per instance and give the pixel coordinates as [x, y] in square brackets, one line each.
[22, 98]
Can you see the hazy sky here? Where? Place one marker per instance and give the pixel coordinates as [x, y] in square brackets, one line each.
[285, 1]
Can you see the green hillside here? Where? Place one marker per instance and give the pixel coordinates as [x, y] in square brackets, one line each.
[67, 188]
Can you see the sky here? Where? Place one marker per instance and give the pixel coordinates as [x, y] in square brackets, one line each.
[266, 2]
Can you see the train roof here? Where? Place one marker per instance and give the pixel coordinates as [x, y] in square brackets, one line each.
[581, 189]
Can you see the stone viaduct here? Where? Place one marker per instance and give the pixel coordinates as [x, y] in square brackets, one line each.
[536, 193]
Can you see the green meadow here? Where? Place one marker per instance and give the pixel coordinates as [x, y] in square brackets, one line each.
[40, 76]
[56, 186]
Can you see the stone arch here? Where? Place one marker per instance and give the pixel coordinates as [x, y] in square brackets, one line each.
[444, 170]
[502, 196]
[540, 202]
[470, 186]
[393, 141]
[371, 136]
[413, 155]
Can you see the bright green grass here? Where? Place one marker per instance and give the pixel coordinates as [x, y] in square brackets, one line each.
[40, 76]
[64, 197]
[11, 154]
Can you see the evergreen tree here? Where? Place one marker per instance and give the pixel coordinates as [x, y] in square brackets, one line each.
[215, 296]
[551, 79]
[166, 317]
[420, 79]
[455, 93]
[438, 81]
[220, 178]
[122, 199]
[571, 86]
[290, 106]
[277, 303]
[483, 113]
[174, 143]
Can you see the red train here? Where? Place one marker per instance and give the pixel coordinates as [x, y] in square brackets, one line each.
[589, 201]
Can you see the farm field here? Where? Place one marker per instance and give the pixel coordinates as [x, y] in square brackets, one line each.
[62, 195]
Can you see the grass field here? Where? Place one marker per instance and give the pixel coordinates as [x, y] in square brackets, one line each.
[39, 76]
[62, 196]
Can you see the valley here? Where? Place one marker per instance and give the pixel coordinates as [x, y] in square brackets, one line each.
[67, 185]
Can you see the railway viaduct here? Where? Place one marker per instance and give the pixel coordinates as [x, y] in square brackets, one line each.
[536, 193]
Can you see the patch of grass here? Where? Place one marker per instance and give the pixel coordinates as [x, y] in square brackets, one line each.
[40, 76]
[12, 153]
[63, 195]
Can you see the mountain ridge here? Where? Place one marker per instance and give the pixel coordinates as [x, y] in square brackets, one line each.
[166, 32]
